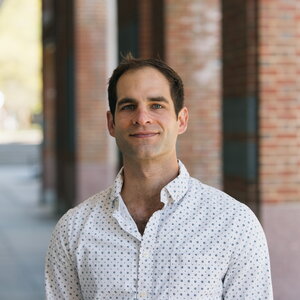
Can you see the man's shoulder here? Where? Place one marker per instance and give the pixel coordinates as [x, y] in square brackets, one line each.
[99, 199]
[83, 219]
[95, 206]
[214, 197]
[217, 206]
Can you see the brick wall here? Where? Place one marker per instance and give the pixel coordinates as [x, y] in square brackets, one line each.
[49, 144]
[192, 47]
[151, 32]
[279, 100]
[145, 35]
[94, 169]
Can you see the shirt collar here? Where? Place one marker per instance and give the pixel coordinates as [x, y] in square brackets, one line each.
[117, 185]
[177, 188]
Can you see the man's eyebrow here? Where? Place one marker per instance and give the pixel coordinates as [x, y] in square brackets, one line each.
[126, 101]
[158, 99]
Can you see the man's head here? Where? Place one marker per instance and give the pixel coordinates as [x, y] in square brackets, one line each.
[129, 63]
[143, 118]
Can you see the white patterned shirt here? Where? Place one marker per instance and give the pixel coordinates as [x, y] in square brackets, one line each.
[201, 245]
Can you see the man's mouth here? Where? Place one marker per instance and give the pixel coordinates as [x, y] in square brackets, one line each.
[144, 134]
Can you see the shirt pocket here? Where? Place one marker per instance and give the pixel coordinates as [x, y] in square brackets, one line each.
[195, 276]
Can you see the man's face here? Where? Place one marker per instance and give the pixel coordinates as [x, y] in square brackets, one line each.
[145, 124]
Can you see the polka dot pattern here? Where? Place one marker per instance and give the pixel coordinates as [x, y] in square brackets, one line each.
[201, 245]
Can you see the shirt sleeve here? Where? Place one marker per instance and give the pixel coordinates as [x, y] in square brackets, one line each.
[249, 275]
[61, 278]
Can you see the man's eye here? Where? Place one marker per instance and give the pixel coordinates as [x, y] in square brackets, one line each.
[128, 107]
[156, 106]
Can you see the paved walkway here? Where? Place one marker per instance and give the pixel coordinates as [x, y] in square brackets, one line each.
[281, 222]
[25, 229]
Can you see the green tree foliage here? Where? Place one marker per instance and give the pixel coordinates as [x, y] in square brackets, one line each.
[20, 57]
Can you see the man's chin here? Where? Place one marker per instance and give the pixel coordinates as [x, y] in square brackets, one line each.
[144, 155]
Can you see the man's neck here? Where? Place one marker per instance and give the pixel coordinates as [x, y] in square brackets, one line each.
[147, 178]
[143, 182]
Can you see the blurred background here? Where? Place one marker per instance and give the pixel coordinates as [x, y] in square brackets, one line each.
[240, 62]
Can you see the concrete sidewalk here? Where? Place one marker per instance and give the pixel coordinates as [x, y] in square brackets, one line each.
[25, 229]
[281, 222]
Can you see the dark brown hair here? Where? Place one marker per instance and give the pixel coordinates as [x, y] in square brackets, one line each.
[131, 63]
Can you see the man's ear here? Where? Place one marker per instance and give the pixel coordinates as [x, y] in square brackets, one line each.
[110, 123]
[183, 117]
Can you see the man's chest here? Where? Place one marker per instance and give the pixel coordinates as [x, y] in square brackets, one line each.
[164, 264]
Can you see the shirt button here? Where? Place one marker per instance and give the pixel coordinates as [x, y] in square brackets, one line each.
[143, 294]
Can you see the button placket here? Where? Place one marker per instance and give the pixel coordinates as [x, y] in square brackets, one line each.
[146, 258]
[125, 220]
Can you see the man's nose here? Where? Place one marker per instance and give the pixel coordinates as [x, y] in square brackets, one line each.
[142, 117]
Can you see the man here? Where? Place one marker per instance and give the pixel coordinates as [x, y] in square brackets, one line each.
[156, 233]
